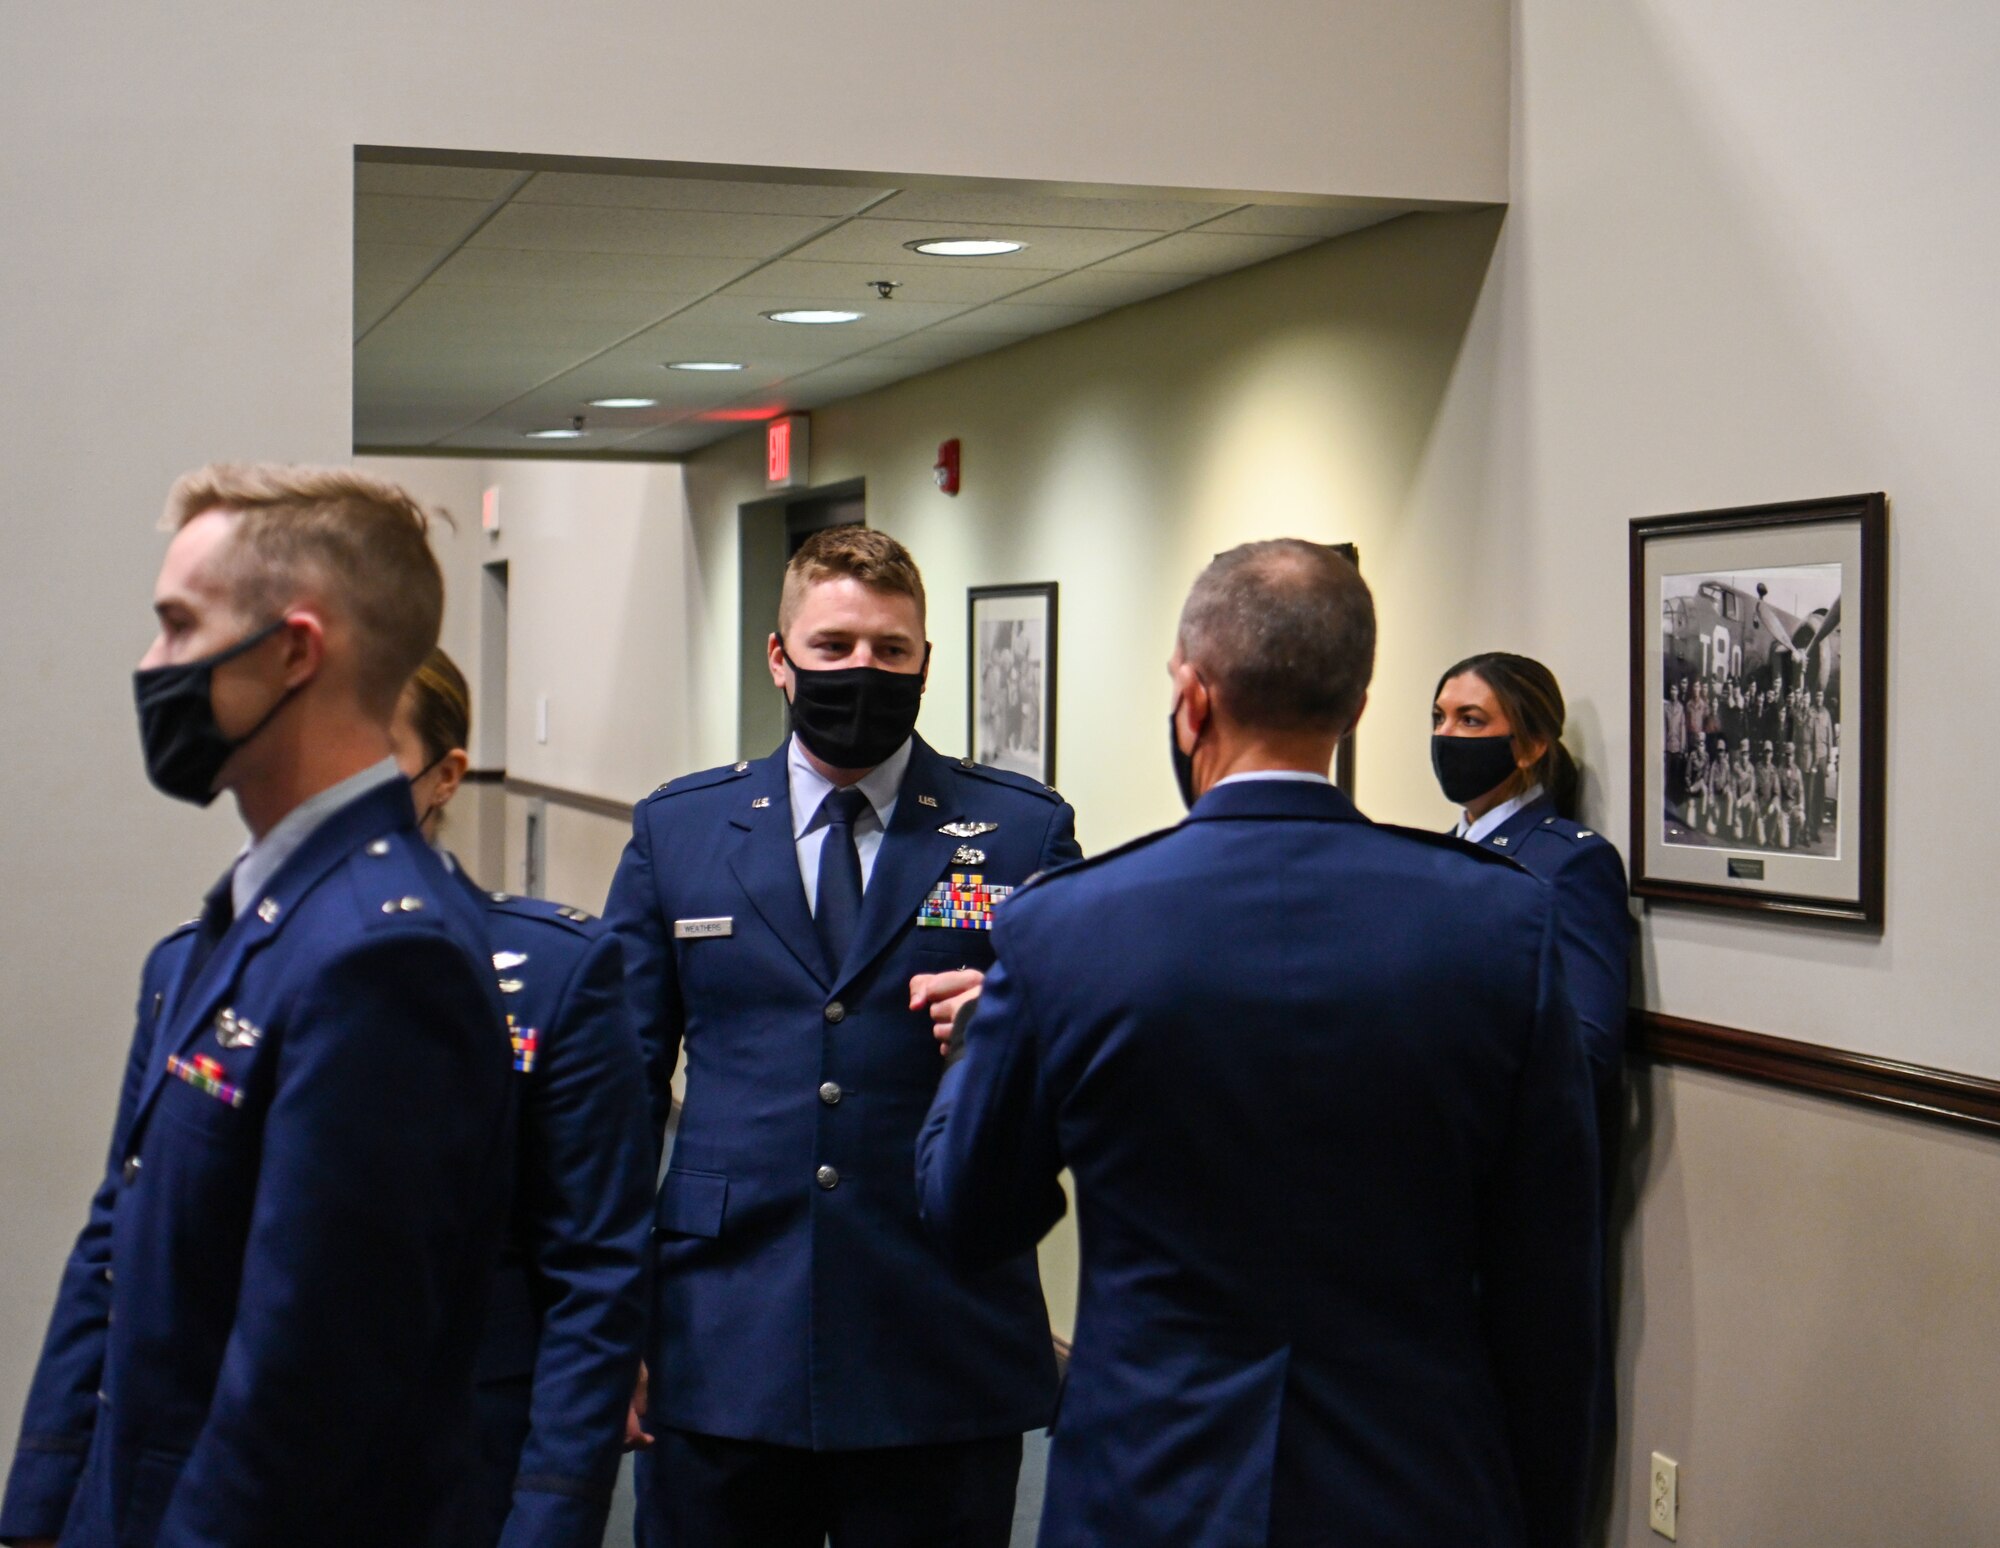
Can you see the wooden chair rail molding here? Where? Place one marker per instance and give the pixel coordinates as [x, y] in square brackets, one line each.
[1914, 1090]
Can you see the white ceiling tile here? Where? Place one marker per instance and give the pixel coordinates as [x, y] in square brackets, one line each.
[677, 439]
[1319, 221]
[1049, 247]
[1002, 207]
[515, 266]
[696, 193]
[1199, 253]
[430, 182]
[383, 271]
[736, 311]
[666, 233]
[438, 223]
[1017, 318]
[849, 284]
[1104, 287]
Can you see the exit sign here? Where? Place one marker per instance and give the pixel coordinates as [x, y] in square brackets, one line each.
[787, 451]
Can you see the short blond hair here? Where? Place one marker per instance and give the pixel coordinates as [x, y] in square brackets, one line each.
[361, 540]
[874, 558]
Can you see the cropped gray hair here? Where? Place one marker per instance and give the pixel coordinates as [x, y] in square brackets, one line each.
[1284, 632]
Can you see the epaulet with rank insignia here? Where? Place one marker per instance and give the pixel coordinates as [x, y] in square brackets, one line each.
[701, 780]
[1452, 842]
[1007, 777]
[1569, 829]
[573, 919]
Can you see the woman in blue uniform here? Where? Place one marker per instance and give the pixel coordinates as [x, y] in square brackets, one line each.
[561, 1346]
[1496, 745]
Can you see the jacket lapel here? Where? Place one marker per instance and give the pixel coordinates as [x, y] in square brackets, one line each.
[912, 857]
[764, 858]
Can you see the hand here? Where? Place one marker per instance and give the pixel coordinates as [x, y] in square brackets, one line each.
[942, 994]
[636, 1438]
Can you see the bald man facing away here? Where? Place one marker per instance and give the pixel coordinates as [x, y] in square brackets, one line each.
[1330, 1127]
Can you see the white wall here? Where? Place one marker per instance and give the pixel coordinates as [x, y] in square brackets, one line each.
[1749, 259]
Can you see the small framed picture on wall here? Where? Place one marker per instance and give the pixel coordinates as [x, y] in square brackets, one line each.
[1759, 713]
[1012, 695]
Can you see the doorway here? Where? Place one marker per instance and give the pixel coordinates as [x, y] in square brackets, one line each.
[769, 532]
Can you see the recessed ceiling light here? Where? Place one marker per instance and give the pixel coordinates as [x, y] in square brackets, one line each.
[623, 402]
[963, 247]
[564, 434]
[704, 365]
[814, 316]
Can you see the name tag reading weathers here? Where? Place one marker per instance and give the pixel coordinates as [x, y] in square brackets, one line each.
[703, 929]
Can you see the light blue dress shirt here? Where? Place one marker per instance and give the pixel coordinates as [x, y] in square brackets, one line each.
[810, 789]
[262, 859]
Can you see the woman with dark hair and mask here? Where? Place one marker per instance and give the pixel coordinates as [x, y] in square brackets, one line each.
[560, 1350]
[1496, 745]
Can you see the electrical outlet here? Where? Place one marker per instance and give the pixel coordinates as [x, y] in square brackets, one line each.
[1664, 1496]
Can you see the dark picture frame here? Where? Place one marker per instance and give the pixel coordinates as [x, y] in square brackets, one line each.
[1759, 684]
[1010, 693]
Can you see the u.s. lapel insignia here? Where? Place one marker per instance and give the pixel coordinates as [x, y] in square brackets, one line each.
[968, 829]
[503, 960]
[760, 803]
[924, 800]
[965, 854]
[234, 1031]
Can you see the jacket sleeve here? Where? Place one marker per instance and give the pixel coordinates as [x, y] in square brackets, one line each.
[988, 1156]
[380, 1202]
[1059, 845]
[62, 1399]
[587, 1191]
[652, 981]
[1541, 1267]
[1594, 936]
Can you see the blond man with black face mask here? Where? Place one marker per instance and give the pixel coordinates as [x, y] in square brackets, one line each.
[801, 925]
[265, 1333]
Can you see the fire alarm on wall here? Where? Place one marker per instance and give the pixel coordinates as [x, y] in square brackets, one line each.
[945, 471]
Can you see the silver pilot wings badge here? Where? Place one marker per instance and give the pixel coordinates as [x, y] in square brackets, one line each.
[968, 829]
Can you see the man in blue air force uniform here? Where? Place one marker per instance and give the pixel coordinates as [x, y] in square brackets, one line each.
[1329, 1123]
[263, 1333]
[816, 1367]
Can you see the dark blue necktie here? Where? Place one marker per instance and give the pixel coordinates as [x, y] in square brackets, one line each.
[838, 905]
[218, 913]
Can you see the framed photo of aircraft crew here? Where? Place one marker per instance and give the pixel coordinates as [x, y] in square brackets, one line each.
[1759, 679]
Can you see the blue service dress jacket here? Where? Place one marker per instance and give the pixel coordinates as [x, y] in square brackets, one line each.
[560, 1351]
[798, 1300]
[262, 1335]
[1594, 932]
[1330, 1130]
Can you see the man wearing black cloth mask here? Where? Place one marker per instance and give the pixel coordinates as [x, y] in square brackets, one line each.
[799, 924]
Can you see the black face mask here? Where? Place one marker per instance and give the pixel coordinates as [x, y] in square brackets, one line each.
[1469, 766]
[854, 717]
[185, 749]
[1183, 761]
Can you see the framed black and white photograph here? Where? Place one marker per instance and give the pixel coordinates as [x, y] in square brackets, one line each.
[1759, 672]
[1012, 695]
